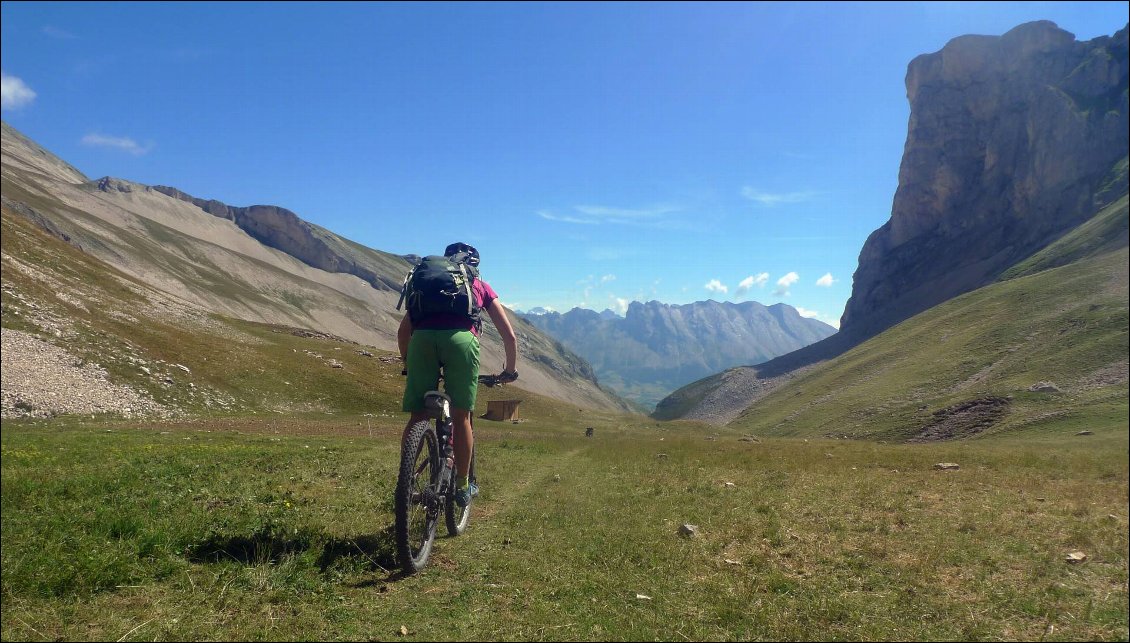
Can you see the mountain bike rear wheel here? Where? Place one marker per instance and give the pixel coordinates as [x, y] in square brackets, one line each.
[417, 503]
[458, 517]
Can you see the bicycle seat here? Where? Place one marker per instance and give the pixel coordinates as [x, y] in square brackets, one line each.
[436, 401]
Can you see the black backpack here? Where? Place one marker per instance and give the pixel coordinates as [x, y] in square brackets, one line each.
[441, 285]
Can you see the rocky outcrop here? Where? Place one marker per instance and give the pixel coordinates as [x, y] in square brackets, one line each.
[283, 230]
[1011, 143]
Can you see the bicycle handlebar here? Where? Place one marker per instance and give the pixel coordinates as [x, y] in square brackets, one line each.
[496, 380]
[489, 380]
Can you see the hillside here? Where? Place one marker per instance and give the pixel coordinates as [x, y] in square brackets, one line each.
[656, 348]
[1015, 145]
[1071, 293]
[975, 366]
[177, 253]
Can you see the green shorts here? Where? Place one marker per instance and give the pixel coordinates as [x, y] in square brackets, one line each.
[458, 351]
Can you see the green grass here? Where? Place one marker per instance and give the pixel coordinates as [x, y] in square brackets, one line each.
[1067, 325]
[246, 529]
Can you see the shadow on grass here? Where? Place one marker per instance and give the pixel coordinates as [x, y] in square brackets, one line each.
[370, 553]
[377, 553]
[361, 554]
[263, 546]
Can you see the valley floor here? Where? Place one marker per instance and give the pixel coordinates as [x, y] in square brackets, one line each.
[279, 528]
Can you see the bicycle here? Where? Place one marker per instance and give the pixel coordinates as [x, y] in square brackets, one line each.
[426, 484]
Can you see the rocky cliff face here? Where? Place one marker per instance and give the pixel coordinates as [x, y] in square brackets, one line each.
[1010, 144]
[658, 347]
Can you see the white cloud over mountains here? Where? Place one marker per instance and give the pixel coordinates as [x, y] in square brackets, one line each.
[826, 281]
[716, 286]
[14, 93]
[745, 285]
[784, 283]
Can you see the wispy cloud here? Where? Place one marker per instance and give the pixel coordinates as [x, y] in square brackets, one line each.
[776, 198]
[14, 93]
[716, 286]
[826, 281]
[591, 283]
[58, 34]
[121, 143]
[745, 285]
[619, 214]
[784, 283]
[549, 216]
[655, 216]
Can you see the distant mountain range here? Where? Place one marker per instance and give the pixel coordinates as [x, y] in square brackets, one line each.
[655, 348]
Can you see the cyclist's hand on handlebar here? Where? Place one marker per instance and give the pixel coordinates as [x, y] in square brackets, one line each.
[502, 378]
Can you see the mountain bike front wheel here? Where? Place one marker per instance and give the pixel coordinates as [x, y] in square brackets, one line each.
[417, 503]
[458, 517]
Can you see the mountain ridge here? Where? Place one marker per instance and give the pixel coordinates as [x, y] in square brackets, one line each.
[657, 347]
[201, 260]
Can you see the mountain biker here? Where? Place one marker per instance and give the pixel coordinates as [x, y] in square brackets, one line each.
[451, 340]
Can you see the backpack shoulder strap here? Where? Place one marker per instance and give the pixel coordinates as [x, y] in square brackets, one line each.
[467, 281]
[404, 286]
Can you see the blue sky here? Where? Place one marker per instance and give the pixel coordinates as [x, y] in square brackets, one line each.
[595, 153]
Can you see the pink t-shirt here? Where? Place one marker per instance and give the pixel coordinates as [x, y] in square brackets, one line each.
[483, 293]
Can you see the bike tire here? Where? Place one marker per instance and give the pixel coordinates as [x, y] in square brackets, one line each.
[416, 517]
[458, 517]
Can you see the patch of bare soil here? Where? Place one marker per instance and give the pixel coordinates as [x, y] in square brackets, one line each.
[964, 420]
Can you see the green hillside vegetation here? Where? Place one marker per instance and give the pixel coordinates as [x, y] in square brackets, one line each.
[974, 359]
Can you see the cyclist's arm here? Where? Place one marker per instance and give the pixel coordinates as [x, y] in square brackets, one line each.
[403, 335]
[509, 340]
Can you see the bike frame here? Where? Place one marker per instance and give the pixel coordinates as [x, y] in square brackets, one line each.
[438, 493]
[439, 407]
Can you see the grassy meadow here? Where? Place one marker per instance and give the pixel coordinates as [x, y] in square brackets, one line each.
[281, 529]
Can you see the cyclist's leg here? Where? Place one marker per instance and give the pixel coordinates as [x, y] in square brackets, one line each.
[423, 375]
[460, 355]
[464, 442]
